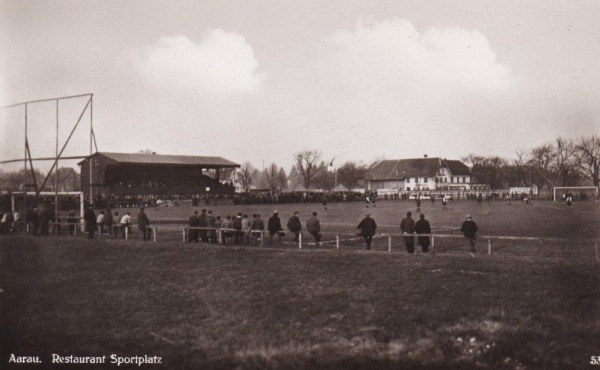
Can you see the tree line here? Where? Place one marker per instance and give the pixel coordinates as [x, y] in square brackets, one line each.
[562, 162]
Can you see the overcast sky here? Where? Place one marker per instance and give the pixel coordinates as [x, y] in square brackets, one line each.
[261, 80]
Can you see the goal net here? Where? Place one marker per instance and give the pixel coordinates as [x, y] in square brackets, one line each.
[576, 192]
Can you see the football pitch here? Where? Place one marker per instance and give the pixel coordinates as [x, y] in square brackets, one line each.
[531, 304]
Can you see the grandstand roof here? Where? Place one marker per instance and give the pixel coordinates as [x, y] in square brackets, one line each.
[395, 169]
[160, 159]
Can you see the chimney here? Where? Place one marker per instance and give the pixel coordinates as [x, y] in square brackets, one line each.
[425, 155]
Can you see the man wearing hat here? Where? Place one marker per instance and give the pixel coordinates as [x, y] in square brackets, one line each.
[367, 228]
[295, 226]
[407, 226]
[469, 230]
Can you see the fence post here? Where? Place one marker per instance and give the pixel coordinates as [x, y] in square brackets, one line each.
[597, 256]
[541, 246]
[262, 238]
[390, 243]
[490, 246]
[432, 244]
[337, 241]
[154, 233]
[300, 241]
[184, 234]
[126, 232]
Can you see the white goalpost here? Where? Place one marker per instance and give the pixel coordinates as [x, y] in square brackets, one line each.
[566, 189]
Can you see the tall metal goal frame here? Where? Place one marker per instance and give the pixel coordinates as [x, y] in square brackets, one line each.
[28, 159]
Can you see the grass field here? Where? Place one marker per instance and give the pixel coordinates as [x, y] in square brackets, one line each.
[225, 307]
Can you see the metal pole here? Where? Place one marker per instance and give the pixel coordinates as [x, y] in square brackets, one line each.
[184, 236]
[81, 208]
[262, 238]
[390, 243]
[91, 140]
[154, 233]
[56, 173]
[337, 241]
[300, 241]
[597, 255]
[25, 155]
[126, 232]
[433, 244]
[490, 246]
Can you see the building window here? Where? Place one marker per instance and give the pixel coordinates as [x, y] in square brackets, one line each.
[464, 179]
[452, 179]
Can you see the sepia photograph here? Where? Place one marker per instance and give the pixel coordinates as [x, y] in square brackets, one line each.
[308, 185]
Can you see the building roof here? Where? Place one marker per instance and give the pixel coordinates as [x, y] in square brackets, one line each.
[457, 168]
[176, 160]
[398, 169]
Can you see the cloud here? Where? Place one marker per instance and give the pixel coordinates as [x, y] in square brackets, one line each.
[394, 53]
[222, 63]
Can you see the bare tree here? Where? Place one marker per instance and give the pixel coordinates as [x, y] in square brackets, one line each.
[541, 159]
[246, 176]
[273, 177]
[588, 158]
[349, 174]
[307, 164]
[564, 162]
[283, 179]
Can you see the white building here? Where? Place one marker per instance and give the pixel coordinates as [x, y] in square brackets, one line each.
[420, 174]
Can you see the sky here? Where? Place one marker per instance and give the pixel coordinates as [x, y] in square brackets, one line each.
[259, 81]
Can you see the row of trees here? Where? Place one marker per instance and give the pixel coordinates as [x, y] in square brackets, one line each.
[560, 163]
[68, 180]
[308, 172]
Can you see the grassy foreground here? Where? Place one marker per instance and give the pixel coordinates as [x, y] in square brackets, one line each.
[202, 307]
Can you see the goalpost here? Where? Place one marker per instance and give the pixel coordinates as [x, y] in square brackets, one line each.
[567, 189]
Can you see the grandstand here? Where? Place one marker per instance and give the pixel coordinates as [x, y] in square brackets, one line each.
[132, 174]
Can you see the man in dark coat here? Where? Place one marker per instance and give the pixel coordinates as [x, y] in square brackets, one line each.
[108, 222]
[295, 226]
[72, 221]
[193, 222]
[202, 223]
[422, 227]
[367, 228]
[469, 229]
[274, 227]
[407, 226]
[237, 225]
[143, 222]
[313, 225]
[210, 223]
[90, 222]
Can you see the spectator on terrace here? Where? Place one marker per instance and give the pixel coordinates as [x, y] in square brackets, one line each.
[143, 222]
[423, 227]
[100, 222]
[407, 226]
[367, 228]
[258, 225]
[108, 222]
[202, 224]
[193, 223]
[210, 223]
[274, 227]
[72, 221]
[90, 222]
[313, 225]
[125, 223]
[469, 230]
[295, 226]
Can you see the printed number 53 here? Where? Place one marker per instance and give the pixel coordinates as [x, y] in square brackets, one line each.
[595, 360]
